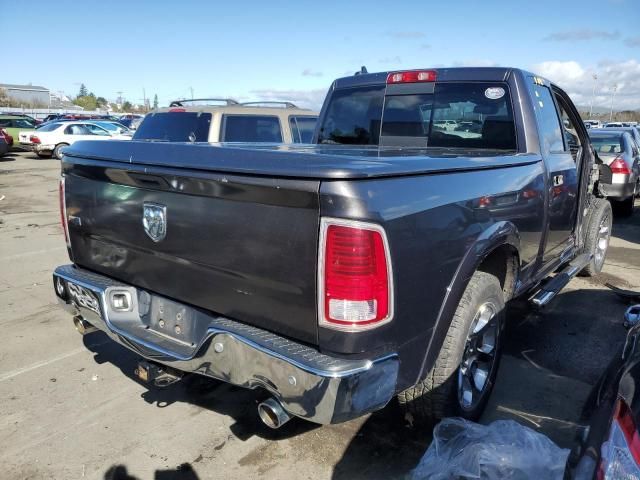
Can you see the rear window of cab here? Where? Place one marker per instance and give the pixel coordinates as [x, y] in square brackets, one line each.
[472, 115]
[175, 127]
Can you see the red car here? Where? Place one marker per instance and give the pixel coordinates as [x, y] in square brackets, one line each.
[7, 138]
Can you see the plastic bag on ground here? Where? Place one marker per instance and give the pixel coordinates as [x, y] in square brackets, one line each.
[503, 449]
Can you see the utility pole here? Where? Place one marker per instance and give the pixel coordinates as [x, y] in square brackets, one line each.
[191, 88]
[593, 94]
[613, 95]
[119, 101]
[144, 99]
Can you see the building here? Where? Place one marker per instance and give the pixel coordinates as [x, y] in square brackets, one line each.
[27, 95]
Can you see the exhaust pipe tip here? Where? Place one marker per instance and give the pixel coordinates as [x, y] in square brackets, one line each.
[272, 414]
[82, 326]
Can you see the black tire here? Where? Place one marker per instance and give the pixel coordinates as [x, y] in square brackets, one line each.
[44, 155]
[437, 395]
[625, 207]
[601, 216]
[57, 152]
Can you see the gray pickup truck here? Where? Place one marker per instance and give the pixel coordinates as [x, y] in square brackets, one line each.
[372, 264]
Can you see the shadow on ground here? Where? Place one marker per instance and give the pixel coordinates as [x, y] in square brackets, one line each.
[182, 472]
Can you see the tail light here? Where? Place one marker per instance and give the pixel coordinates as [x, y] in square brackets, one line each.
[619, 166]
[34, 139]
[3, 133]
[621, 451]
[63, 213]
[412, 76]
[354, 276]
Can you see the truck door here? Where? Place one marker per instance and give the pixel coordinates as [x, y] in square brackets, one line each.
[561, 149]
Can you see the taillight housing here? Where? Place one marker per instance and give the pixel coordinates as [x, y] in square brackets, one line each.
[63, 212]
[34, 139]
[355, 279]
[619, 166]
[621, 451]
[412, 76]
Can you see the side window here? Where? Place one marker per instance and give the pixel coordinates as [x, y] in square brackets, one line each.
[569, 129]
[96, 130]
[302, 128]
[69, 130]
[548, 121]
[251, 128]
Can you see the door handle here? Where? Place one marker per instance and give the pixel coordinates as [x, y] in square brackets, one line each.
[558, 180]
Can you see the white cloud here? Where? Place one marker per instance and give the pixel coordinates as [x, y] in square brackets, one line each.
[577, 80]
[303, 98]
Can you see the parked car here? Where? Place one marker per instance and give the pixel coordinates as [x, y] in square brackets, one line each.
[619, 151]
[279, 122]
[374, 264]
[4, 146]
[613, 125]
[13, 124]
[53, 137]
[130, 121]
[593, 123]
[610, 448]
[7, 138]
[633, 131]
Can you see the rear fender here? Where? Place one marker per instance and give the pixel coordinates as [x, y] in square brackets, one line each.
[497, 235]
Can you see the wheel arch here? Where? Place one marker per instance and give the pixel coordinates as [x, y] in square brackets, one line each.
[497, 251]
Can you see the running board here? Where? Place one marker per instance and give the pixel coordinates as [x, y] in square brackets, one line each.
[552, 287]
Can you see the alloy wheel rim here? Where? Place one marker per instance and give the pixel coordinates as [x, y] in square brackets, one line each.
[604, 233]
[479, 357]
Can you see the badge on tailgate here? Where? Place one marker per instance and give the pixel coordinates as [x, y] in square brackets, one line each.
[154, 220]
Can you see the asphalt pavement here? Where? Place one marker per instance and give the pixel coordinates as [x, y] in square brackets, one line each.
[72, 408]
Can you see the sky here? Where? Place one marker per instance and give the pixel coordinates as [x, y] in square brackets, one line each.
[272, 50]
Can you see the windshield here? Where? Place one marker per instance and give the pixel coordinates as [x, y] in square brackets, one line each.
[456, 115]
[607, 144]
[50, 127]
[175, 127]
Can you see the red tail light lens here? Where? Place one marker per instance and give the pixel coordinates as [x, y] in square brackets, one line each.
[177, 109]
[412, 76]
[619, 166]
[621, 451]
[356, 291]
[34, 139]
[3, 133]
[63, 212]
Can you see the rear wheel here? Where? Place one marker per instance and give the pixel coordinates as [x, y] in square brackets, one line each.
[463, 375]
[43, 155]
[57, 152]
[598, 232]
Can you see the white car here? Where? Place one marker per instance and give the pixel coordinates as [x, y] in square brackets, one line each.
[52, 138]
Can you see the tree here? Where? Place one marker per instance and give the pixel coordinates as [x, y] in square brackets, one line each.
[155, 101]
[126, 106]
[83, 90]
[5, 101]
[101, 101]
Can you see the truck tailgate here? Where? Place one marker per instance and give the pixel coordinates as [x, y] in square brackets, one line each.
[240, 246]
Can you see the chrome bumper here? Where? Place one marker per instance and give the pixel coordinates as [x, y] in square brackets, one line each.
[309, 384]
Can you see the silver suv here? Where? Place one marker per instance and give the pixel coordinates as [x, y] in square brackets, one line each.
[230, 121]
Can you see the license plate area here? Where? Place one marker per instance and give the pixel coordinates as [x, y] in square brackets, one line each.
[171, 319]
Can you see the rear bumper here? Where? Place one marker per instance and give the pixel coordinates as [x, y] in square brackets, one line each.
[309, 384]
[621, 187]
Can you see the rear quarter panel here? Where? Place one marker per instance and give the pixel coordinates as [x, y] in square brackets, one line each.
[438, 230]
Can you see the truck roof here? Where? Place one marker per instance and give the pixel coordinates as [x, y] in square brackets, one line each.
[454, 74]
